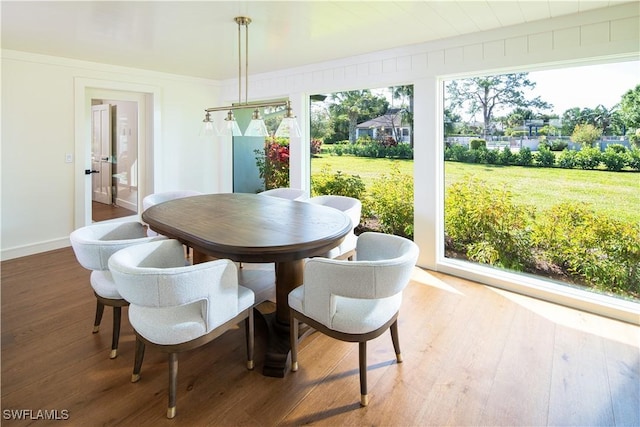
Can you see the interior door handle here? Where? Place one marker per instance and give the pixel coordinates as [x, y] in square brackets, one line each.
[90, 171]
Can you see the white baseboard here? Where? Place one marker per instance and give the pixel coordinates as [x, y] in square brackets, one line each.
[34, 248]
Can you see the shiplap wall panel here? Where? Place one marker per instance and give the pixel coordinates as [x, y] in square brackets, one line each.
[542, 42]
[516, 46]
[474, 52]
[625, 29]
[595, 34]
[566, 38]
[493, 49]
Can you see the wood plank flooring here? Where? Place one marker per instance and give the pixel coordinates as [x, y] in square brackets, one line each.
[103, 212]
[473, 355]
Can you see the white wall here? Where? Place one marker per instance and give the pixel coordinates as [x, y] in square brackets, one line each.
[38, 130]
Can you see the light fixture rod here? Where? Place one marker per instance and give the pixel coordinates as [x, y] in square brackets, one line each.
[243, 21]
[286, 104]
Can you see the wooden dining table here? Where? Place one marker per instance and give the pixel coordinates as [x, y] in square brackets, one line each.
[254, 228]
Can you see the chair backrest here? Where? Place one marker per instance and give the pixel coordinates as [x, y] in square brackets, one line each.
[154, 275]
[286, 193]
[382, 269]
[155, 198]
[349, 205]
[95, 243]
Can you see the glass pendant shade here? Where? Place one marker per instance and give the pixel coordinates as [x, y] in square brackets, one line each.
[257, 126]
[230, 126]
[208, 128]
[288, 128]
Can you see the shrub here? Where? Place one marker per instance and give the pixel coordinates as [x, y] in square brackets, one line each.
[567, 159]
[487, 156]
[506, 157]
[633, 159]
[613, 159]
[484, 223]
[474, 144]
[390, 199]
[273, 162]
[519, 133]
[524, 157]
[456, 153]
[634, 138]
[339, 184]
[604, 252]
[544, 158]
[558, 145]
[618, 148]
[316, 146]
[588, 158]
[586, 134]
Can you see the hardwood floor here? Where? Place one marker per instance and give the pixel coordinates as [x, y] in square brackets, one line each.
[103, 212]
[473, 355]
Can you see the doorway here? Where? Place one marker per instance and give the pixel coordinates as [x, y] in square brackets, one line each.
[125, 157]
[114, 159]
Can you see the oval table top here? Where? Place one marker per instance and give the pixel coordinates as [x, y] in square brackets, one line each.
[250, 227]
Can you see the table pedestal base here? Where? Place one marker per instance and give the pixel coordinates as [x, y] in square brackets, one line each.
[276, 359]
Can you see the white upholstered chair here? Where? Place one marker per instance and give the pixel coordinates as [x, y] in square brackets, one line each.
[355, 301]
[353, 208]
[286, 193]
[155, 198]
[175, 308]
[93, 245]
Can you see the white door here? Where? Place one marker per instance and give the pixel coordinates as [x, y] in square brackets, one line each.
[101, 155]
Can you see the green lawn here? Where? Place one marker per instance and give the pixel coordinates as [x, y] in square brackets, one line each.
[616, 194]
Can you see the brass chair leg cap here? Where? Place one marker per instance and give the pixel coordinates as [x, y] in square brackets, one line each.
[250, 365]
[114, 354]
[399, 357]
[364, 399]
[135, 378]
[294, 366]
[171, 412]
[96, 329]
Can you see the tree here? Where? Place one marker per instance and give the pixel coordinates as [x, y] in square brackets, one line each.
[405, 92]
[630, 108]
[356, 106]
[321, 123]
[600, 117]
[450, 120]
[490, 93]
[586, 134]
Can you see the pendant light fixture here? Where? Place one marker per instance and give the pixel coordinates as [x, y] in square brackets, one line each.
[287, 128]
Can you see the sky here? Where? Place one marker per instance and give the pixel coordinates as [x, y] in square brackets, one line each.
[586, 86]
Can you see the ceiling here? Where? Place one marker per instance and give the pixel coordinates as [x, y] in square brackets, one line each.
[201, 38]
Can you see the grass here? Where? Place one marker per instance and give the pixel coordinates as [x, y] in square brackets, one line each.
[615, 194]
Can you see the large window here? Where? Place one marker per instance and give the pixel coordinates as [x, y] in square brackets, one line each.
[362, 147]
[542, 175]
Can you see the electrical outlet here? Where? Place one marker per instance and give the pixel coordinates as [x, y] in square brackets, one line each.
[68, 158]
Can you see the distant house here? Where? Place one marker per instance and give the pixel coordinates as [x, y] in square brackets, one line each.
[389, 124]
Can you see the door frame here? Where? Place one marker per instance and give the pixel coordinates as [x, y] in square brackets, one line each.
[148, 98]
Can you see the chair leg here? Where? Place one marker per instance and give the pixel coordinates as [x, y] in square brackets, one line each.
[396, 340]
[173, 384]
[98, 319]
[137, 362]
[117, 315]
[364, 397]
[250, 333]
[293, 337]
